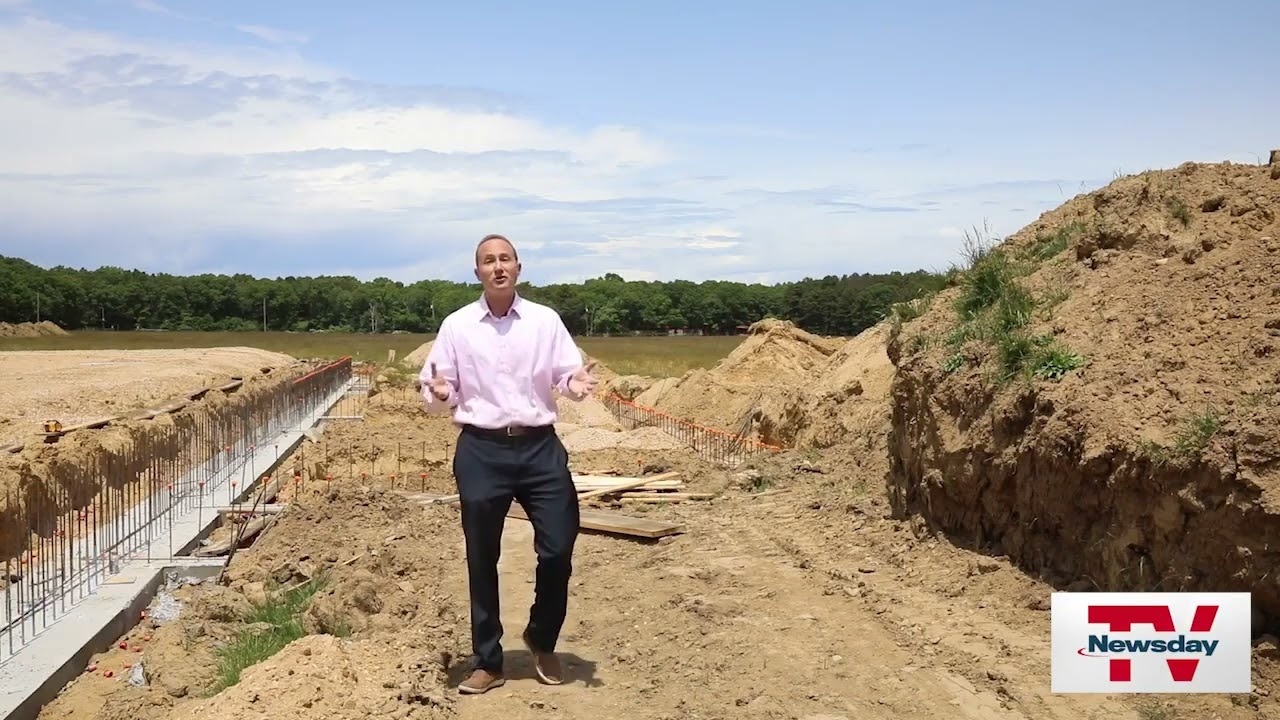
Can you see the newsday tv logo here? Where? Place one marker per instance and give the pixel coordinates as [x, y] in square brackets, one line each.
[1151, 643]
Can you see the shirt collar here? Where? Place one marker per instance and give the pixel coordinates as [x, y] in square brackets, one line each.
[484, 311]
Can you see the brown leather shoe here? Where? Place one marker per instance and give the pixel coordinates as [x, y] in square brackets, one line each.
[546, 664]
[481, 681]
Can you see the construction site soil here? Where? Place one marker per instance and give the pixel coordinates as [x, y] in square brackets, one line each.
[75, 386]
[1155, 464]
[52, 494]
[896, 562]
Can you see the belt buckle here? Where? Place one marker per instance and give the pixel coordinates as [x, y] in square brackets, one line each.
[510, 431]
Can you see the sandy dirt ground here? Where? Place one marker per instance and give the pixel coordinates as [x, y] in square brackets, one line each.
[74, 386]
[794, 594]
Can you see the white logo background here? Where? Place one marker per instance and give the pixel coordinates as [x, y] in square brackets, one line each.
[1229, 670]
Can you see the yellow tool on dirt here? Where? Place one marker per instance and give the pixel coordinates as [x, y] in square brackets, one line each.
[52, 426]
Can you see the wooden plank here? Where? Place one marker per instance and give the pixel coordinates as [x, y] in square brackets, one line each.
[248, 509]
[630, 484]
[613, 479]
[421, 496]
[244, 536]
[665, 496]
[654, 484]
[157, 412]
[145, 414]
[91, 425]
[611, 523]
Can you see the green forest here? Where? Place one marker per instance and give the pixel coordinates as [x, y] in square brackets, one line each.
[115, 298]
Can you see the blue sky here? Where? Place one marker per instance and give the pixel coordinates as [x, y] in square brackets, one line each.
[746, 141]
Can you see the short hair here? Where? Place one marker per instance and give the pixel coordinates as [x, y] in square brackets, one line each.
[496, 236]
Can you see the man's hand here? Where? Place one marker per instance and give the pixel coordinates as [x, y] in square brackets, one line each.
[439, 386]
[583, 383]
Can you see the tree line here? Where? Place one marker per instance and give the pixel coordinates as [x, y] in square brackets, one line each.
[115, 298]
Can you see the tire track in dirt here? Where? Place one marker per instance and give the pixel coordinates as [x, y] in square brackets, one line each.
[713, 623]
[976, 615]
[586, 691]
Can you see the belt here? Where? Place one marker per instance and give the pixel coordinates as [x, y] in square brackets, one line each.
[510, 431]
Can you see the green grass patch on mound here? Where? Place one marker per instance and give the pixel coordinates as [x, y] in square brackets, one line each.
[1194, 434]
[270, 627]
[996, 308]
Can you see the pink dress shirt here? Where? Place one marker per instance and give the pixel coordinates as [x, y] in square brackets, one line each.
[501, 370]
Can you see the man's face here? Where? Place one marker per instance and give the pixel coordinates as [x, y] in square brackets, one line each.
[496, 265]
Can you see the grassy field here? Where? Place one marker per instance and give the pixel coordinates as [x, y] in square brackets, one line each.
[653, 356]
[361, 346]
[670, 356]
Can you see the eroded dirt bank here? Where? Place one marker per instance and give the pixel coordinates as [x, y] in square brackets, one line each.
[1137, 445]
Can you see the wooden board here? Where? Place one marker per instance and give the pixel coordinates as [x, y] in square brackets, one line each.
[611, 480]
[611, 523]
[424, 498]
[146, 414]
[248, 509]
[629, 484]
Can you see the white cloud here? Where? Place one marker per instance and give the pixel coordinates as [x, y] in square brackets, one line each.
[254, 158]
[153, 7]
[104, 134]
[274, 35]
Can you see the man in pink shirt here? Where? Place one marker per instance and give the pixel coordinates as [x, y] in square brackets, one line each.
[494, 364]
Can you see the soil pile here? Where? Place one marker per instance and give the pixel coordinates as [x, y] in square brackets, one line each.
[1099, 396]
[418, 357]
[629, 387]
[776, 357]
[175, 657]
[381, 622]
[847, 402]
[43, 328]
[775, 351]
[328, 678]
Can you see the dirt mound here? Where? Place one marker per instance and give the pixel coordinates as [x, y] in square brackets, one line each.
[43, 328]
[846, 403]
[321, 676]
[775, 351]
[628, 387]
[1099, 396]
[332, 678]
[418, 357]
[776, 357]
[378, 619]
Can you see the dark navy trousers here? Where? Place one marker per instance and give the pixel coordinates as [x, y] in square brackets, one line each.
[492, 470]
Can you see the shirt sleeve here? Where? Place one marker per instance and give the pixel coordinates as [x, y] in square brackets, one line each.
[566, 359]
[443, 356]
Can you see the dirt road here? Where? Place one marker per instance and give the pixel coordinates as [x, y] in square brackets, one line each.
[725, 621]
